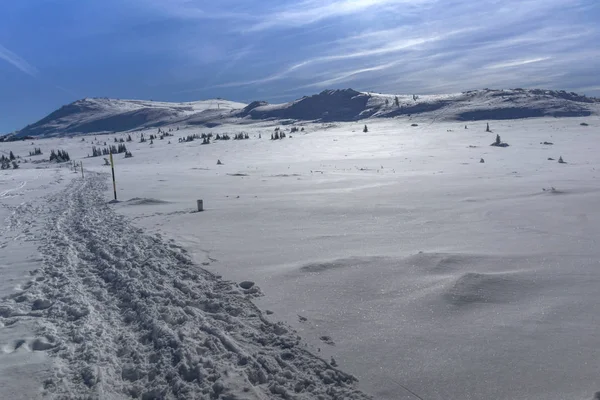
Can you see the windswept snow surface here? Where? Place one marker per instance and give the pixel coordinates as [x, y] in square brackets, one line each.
[396, 252]
[127, 315]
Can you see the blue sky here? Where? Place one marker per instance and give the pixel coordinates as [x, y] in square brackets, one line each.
[53, 52]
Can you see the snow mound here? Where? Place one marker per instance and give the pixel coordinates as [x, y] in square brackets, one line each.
[473, 288]
[125, 315]
[442, 263]
[339, 264]
[137, 201]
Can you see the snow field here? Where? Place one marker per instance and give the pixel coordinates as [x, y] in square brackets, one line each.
[395, 252]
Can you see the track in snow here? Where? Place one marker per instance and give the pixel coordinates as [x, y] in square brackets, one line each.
[127, 315]
[5, 193]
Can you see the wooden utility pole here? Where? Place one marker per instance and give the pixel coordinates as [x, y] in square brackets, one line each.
[112, 167]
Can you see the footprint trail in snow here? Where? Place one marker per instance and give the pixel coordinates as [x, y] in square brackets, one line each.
[125, 315]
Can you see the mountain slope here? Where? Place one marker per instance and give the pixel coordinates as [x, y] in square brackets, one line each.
[110, 115]
[329, 105]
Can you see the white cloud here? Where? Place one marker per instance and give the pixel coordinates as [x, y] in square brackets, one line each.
[349, 74]
[388, 48]
[18, 62]
[192, 10]
[311, 11]
[431, 44]
[517, 63]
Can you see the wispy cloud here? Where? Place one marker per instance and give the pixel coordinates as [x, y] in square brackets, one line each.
[345, 76]
[385, 49]
[369, 42]
[311, 11]
[16, 61]
[517, 63]
[267, 79]
[194, 10]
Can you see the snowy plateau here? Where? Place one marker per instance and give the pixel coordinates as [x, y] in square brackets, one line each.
[351, 246]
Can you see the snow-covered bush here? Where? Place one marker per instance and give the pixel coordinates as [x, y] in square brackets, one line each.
[498, 142]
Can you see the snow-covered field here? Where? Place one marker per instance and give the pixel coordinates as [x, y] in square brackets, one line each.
[396, 252]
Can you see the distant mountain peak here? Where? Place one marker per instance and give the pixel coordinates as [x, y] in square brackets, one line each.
[98, 115]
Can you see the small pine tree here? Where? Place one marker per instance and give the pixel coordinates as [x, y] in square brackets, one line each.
[129, 139]
[560, 160]
[365, 130]
[15, 165]
[397, 101]
[12, 156]
[487, 129]
[498, 141]
[387, 102]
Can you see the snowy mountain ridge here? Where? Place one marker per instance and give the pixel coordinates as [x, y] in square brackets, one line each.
[103, 115]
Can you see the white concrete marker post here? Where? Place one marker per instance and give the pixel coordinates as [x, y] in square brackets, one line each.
[200, 205]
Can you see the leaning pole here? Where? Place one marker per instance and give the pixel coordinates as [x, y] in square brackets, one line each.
[112, 167]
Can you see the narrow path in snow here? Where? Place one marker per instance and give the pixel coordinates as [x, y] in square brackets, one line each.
[126, 315]
[5, 193]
